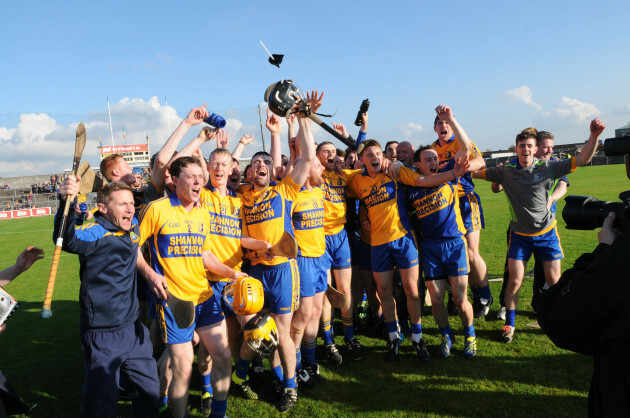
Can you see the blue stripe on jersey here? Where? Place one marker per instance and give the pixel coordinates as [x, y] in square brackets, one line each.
[308, 219]
[263, 211]
[225, 226]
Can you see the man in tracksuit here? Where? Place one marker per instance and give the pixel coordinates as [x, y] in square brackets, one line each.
[116, 345]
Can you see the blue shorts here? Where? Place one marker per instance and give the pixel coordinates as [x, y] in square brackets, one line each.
[217, 289]
[206, 313]
[546, 247]
[313, 276]
[472, 214]
[338, 251]
[442, 259]
[401, 252]
[281, 284]
[365, 259]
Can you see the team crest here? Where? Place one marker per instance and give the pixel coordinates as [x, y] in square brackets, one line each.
[200, 227]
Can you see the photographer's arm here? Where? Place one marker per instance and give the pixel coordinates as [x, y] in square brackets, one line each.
[23, 262]
[590, 148]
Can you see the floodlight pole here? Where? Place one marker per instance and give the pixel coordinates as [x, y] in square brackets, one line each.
[262, 133]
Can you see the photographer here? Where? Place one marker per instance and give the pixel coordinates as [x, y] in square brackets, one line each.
[580, 313]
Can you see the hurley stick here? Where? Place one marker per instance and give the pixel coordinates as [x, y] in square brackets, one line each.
[79, 145]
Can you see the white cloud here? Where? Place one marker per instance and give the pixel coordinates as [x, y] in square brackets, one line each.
[521, 94]
[6, 134]
[411, 130]
[577, 109]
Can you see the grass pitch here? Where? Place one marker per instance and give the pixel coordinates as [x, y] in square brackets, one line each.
[529, 377]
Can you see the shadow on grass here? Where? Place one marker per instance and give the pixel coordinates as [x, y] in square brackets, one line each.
[42, 358]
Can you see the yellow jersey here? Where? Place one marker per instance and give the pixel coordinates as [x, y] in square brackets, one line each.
[334, 188]
[384, 199]
[446, 153]
[267, 213]
[176, 241]
[225, 227]
[308, 222]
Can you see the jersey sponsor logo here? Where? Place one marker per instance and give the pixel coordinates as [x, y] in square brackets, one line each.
[379, 194]
[431, 203]
[181, 245]
[226, 226]
[334, 194]
[263, 211]
[308, 219]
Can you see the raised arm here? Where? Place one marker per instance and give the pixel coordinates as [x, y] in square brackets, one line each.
[588, 151]
[465, 145]
[306, 146]
[240, 147]
[273, 124]
[195, 117]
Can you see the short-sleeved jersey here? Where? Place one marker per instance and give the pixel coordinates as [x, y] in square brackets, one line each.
[177, 239]
[527, 189]
[437, 209]
[308, 222]
[225, 227]
[334, 188]
[384, 199]
[267, 213]
[446, 153]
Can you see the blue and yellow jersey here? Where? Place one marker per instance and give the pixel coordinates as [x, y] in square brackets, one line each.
[267, 213]
[176, 241]
[437, 209]
[308, 222]
[225, 227]
[384, 199]
[446, 153]
[334, 188]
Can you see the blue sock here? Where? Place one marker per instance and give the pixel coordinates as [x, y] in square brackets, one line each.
[364, 296]
[484, 293]
[392, 329]
[510, 314]
[163, 400]
[348, 329]
[475, 290]
[298, 359]
[218, 408]
[289, 383]
[416, 332]
[308, 353]
[326, 334]
[277, 373]
[446, 331]
[206, 387]
[469, 331]
[242, 368]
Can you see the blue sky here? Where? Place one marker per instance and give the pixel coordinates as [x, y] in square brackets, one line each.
[502, 66]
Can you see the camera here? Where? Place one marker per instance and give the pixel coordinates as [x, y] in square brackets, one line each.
[587, 212]
[365, 105]
[215, 121]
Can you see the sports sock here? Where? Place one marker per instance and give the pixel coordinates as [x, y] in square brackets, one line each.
[446, 331]
[510, 314]
[163, 399]
[298, 359]
[218, 408]
[364, 296]
[475, 290]
[348, 329]
[484, 294]
[242, 367]
[206, 386]
[416, 332]
[392, 329]
[277, 373]
[469, 331]
[326, 334]
[289, 383]
[308, 353]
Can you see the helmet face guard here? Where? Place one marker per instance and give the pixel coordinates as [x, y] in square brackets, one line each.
[261, 334]
[245, 296]
[283, 96]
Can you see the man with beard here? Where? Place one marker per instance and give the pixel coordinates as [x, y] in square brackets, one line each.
[267, 214]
